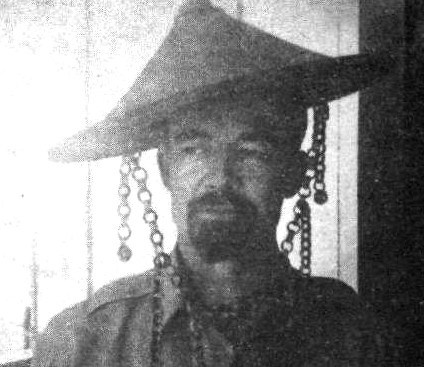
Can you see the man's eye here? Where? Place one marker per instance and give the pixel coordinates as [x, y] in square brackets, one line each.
[191, 150]
[255, 149]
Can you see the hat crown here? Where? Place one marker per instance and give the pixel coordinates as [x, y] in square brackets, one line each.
[193, 6]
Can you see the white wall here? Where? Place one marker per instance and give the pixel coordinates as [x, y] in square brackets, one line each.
[42, 204]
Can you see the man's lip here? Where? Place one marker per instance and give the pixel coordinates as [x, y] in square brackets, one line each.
[222, 208]
[218, 211]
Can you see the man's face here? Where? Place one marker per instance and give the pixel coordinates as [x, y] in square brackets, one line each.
[227, 172]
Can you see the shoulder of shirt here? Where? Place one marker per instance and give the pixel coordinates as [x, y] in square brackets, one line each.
[347, 308]
[59, 337]
[334, 291]
[136, 286]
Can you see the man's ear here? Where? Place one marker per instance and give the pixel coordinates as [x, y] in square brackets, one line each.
[293, 175]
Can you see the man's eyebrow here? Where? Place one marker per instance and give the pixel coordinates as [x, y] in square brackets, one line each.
[260, 135]
[190, 134]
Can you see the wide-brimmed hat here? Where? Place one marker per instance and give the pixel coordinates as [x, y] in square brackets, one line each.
[208, 55]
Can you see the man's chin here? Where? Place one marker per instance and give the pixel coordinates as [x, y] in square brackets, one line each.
[218, 217]
[226, 268]
[216, 254]
[221, 240]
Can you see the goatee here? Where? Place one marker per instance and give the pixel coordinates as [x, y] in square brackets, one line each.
[221, 225]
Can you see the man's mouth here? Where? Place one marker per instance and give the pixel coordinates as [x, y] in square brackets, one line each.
[217, 212]
[216, 203]
[220, 224]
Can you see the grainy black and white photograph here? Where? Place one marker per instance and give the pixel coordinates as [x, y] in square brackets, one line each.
[211, 183]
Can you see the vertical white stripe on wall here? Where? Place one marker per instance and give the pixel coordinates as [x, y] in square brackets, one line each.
[348, 190]
[348, 156]
[88, 197]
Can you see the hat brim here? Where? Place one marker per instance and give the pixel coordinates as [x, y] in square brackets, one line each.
[306, 85]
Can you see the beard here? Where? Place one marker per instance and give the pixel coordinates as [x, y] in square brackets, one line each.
[221, 225]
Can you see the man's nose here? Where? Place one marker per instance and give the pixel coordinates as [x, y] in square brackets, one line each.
[221, 172]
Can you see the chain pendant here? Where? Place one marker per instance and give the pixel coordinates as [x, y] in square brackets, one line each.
[321, 116]
[124, 210]
[305, 239]
[161, 260]
[315, 173]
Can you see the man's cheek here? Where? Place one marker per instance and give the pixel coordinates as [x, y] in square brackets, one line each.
[179, 213]
[256, 189]
[186, 177]
[265, 200]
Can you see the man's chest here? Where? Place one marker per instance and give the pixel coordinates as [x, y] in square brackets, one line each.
[271, 344]
[311, 338]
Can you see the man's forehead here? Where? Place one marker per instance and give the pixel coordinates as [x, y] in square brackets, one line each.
[209, 126]
[211, 132]
[241, 118]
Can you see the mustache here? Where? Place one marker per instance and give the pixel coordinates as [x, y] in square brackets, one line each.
[219, 240]
[223, 198]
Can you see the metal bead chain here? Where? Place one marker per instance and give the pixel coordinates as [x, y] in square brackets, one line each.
[161, 259]
[321, 116]
[292, 229]
[294, 226]
[315, 172]
[124, 210]
[150, 216]
[305, 239]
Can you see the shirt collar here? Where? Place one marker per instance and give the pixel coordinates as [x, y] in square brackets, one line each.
[143, 286]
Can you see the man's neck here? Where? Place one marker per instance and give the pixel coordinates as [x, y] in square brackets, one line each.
[227, 282]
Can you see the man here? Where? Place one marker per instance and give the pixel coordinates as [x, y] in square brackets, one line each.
[225, 104]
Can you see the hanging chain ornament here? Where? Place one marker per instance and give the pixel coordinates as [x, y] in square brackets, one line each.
[315, 172]
[305, 239]
[130, 165]
[161, 259]
[124, 210]
[321, 116]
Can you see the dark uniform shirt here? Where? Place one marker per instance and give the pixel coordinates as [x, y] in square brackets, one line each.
[324, 325]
